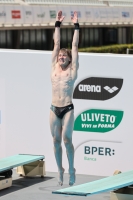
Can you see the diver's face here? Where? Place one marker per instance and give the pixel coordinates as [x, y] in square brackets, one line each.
[63, 59]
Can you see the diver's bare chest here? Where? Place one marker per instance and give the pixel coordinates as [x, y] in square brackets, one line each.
[58, 74]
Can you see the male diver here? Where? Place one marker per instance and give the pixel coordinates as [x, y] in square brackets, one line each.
[63, 75]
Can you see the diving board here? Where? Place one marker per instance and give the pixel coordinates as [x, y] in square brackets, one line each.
[26, 165]
[103, 185]
[8, 163]
[18, 160]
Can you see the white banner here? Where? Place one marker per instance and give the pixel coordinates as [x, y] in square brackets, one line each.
[52, 13]
[16, 14]
[2, 119]
[116, 14]
[45, 14]
[126, 15]
[65, 12]
[73, 8]
[28, 14]
[131, 11]
[103, 15]
[2, 15]
[10, 19]
[102, 98]
[82, 15]
[89, 14]
[37, 13]
[96, 15]
[109, 15]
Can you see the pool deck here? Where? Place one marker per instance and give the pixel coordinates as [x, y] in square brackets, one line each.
[38, 188]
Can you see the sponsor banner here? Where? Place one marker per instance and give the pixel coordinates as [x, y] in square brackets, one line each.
[109, 14]
[38, 15]
[82, 17]
[52, 13]
[89, 14]
[9, 18]
[98, 88]
[126, 14]
[28, 14]
[2, 14]
[76, 8]
[96, 155]
[80, 10]
[101, 114]
[131, 14]
[17, 14]
[116, 14]
[96, 120]
[131, 11]
[103, 14]
[96, 15]
[45, 14]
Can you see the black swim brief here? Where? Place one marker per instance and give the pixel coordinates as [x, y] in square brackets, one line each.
[61, 111]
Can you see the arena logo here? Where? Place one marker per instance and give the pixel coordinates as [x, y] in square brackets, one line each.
[98, 120]
[97, 88]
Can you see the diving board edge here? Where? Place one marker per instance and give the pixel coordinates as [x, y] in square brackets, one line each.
[71, 193]
[20, 163]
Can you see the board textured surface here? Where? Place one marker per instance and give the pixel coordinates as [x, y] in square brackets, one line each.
[98, 186]
[18, 160]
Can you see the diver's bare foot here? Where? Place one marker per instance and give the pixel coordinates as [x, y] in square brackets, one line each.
[60, 178]
[72, 177]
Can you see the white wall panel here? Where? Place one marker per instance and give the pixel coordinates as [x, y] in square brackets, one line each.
[10, 15]
[65, 12]
[52, 13]
[28, 14]
[89, 14]
[2, 14]
[25, 104]
[45, 14]
[37, 14]
[19, 19]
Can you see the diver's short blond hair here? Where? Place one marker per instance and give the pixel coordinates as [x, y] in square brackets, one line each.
[66, 51]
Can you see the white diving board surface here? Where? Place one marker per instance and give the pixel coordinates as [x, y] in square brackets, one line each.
[18, 160]
[103, 185]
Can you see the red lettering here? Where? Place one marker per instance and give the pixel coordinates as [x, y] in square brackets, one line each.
[16, 14]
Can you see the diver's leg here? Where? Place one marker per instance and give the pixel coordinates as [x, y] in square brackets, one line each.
[67, 129]
[56, 129]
